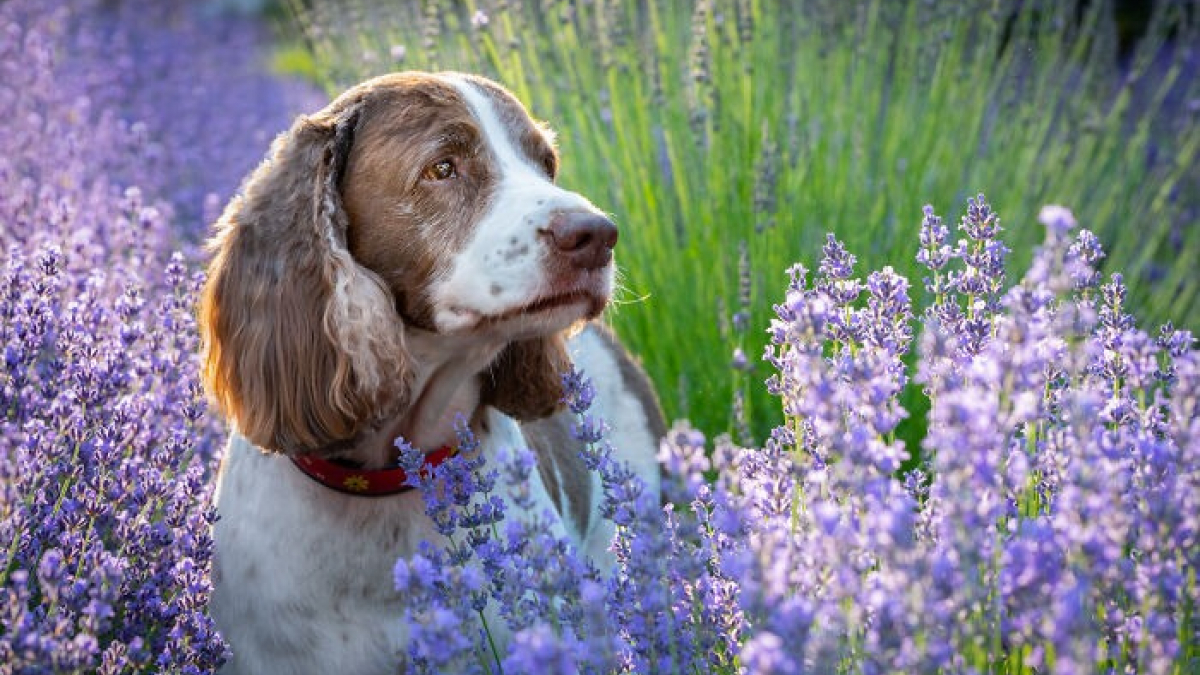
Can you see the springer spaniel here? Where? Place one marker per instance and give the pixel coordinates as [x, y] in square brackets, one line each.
[401, 258]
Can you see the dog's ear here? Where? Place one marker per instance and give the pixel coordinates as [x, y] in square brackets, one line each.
[302, 346]
[525, 381]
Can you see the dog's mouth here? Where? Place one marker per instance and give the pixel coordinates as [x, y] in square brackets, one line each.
[547, 309]
[549, 303]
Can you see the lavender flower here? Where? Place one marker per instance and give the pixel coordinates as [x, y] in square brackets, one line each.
[934, 252]
[1034, 446]
[89, 478]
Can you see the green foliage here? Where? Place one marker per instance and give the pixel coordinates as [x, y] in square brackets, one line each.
[719, 130]
[294, 59]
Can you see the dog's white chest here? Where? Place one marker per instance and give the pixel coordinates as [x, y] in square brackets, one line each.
[303, 573]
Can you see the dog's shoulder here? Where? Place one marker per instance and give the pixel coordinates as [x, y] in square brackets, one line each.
[619, 377]
[625, 401]
[561, 467]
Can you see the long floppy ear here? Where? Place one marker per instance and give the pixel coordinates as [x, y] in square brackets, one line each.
[525, 381]
[302, 346]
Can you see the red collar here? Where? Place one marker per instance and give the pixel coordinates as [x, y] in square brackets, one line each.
[366, 482]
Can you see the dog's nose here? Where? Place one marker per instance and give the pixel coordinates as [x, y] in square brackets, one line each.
[585, 239]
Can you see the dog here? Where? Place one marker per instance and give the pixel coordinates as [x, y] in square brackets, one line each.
[402, 259]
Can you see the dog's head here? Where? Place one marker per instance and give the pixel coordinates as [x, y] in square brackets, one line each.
[413, 200]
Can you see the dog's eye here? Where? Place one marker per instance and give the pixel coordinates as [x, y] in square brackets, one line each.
[443, 169]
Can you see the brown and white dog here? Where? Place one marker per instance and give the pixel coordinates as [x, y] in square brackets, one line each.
[401, 258]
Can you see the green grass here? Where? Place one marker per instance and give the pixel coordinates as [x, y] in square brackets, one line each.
[715, 131]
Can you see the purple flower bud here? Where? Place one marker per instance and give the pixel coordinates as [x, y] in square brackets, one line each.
[836, 262]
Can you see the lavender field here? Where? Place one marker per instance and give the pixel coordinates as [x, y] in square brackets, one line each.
[126, 129]
[1045, 519]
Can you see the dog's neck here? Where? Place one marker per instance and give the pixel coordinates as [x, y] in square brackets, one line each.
[445, 388]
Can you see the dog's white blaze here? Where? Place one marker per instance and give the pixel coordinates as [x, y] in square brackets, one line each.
[513, 164]
[501, 266]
